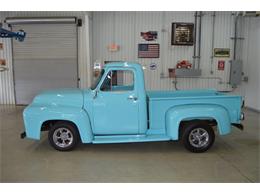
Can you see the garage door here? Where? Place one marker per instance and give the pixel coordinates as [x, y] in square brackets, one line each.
[47, 59]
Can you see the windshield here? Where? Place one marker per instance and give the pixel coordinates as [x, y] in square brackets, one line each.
[94, 85]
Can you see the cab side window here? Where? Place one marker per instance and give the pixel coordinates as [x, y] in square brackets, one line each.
[118, 80]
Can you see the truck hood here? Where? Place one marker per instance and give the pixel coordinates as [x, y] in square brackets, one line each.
[64, 97]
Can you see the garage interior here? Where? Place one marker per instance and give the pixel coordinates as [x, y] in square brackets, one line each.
[67, 49]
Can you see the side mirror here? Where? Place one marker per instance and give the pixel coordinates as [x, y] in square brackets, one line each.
[95, 94]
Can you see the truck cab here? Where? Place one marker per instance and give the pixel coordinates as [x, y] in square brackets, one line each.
[118, 109]
[119, 101]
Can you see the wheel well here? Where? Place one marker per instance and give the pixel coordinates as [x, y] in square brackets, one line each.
[212, 122]
[46, 125]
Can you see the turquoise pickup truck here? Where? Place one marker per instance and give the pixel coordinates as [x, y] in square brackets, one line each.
[118, 109]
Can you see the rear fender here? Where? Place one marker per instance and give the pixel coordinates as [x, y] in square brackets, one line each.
[177, 114]
[35, 116]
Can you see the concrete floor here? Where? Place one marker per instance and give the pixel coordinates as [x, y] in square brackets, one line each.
[233, 158]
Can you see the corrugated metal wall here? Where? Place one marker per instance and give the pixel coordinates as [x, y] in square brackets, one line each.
[251, 60]
[124, 28]
[6, 77]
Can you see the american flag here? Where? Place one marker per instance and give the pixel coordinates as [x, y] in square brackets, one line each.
[148, 50]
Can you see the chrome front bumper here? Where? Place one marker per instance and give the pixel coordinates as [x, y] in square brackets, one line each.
[242, 116]
[239, 126]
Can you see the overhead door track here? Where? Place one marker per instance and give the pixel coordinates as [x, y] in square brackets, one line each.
[41, 20]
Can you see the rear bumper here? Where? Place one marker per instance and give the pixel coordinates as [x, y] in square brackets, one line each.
[23, 135]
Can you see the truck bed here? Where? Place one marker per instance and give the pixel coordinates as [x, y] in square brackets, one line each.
[159, 102]
[164, 95]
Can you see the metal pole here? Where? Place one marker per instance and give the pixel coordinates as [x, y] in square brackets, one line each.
[212, 41]
[235, 38]
[195, 40]
[199, 49]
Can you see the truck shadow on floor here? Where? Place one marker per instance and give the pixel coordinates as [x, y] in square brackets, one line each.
[138, 147]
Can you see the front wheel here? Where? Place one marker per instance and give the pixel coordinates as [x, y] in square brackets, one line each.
[63, 136]
[198, 137]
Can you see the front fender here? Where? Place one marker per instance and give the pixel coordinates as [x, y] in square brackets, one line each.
[36, 115]
[176, 114]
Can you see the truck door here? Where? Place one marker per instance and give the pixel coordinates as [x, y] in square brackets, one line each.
[115, 108]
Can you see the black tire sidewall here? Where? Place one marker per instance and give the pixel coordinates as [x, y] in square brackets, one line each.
[187, 130]
[72, 129]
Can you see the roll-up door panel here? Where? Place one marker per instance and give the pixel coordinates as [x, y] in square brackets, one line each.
[47, 59]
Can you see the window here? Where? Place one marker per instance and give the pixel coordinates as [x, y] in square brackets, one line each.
[118, 80]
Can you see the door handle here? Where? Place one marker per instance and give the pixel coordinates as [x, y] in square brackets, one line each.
[132, 98]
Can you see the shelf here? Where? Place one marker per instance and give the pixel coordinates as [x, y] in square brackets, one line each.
[187, 72]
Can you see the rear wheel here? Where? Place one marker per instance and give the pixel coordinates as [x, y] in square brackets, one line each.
[63, 136]
[198, 137]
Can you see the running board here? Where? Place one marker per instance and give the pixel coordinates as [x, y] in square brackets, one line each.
[129, 138]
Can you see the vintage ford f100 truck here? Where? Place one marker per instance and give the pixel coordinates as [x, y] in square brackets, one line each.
[118, 109]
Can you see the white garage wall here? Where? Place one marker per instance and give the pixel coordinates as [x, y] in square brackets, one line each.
[124, 28]
[251, 53]
[6, 77]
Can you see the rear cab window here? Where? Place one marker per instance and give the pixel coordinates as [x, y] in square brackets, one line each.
[118, 80]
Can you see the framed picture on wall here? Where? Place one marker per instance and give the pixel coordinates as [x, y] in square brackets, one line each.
[182, 34]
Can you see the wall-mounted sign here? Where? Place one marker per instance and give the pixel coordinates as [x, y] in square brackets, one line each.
[113, 47]
[222, 52]
[148, 50]
[149, 36]
[153, 66]
[2, 62]
[182, 33]
[221, 65]
[97, 66]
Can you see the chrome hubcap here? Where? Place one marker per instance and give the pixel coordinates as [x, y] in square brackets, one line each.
[62, 137]
[199, 138]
